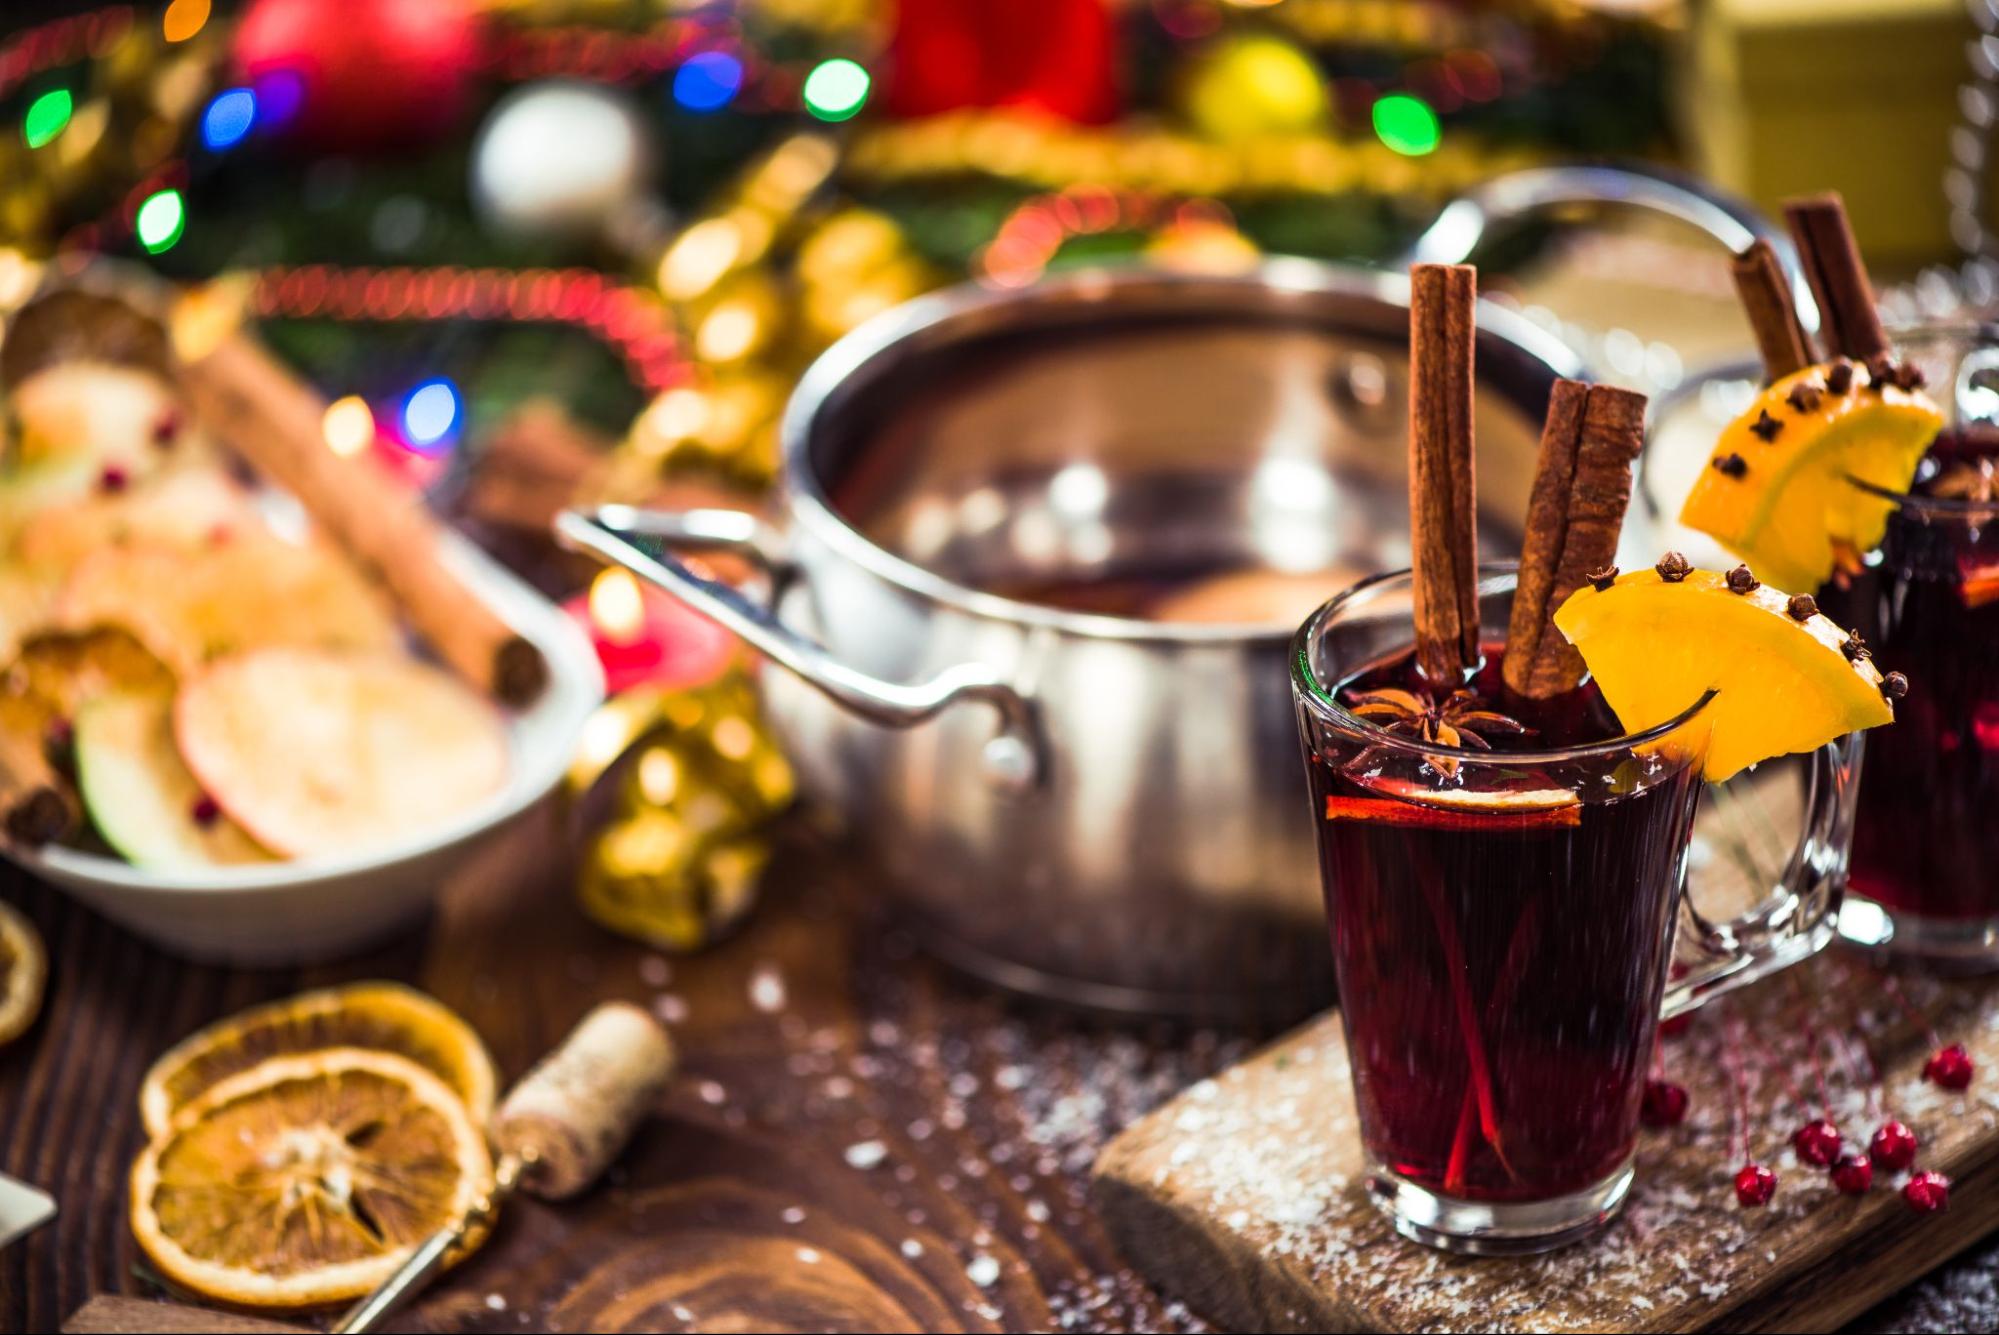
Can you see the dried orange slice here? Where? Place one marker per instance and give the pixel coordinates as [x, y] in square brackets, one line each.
[305, 1180]
[248, 592]
[1782, 683]
[24, 972]
[320, 752]
[377, 1016]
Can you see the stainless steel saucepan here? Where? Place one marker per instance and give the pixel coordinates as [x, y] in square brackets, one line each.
[1071, 802]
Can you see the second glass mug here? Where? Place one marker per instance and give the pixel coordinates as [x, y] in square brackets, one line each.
[1503, 951]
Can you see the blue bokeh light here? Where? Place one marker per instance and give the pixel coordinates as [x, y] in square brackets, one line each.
[229, 119]
[708, 81]
[280, 94]
[430, 413]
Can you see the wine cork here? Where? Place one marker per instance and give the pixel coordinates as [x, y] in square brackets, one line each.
[572, 1114]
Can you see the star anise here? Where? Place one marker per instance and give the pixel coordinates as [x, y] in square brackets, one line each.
[1972, 480]
[1459, 721]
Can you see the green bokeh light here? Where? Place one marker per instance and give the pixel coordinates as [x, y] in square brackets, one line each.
[1407, 125]
[836, 90]
[160, 221]
[47, 115]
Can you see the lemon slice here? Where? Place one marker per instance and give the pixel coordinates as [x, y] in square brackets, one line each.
[24, 972]
[1776, 493]
[378, 1016]
[1782, 685]
[305, 1180]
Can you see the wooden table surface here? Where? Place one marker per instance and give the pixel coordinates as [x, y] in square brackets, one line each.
[859, 1139]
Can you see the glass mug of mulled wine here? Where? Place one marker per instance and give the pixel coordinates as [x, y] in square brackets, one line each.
[1503, 920]
[1925, 876]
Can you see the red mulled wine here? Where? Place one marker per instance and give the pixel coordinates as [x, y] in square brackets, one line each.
[1501, 935]
[1926, 839]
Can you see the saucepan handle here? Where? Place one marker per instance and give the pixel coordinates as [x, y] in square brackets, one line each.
[1797, 917]
[1015, 758]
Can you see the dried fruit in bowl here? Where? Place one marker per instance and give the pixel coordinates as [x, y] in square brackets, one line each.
[24, 972]
[304, 1180]
[139, 793]
[321, 752]
[377, 1016]
[185, 510]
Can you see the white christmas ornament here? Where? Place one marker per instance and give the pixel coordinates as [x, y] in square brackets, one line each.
[560, 159]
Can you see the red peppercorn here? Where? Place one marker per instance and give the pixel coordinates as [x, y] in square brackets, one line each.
[1817, 1143]
[1853, 1174]
[1950, 1067]
[206, 811]
[1893, 1147]
[1664, 1104]
[1927, 1193]
[1754, 1185]
[113, 479]
[166, 429]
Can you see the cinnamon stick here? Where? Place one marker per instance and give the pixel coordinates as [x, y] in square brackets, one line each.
[1848, 319]
[1582, 486]
[1443, 507]
[1773, 314]
[273, 419]
[37, 805]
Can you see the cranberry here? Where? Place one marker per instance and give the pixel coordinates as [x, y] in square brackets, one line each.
[1853, 1174]
[1754, 1185]
[1950, 1067]
[1893, 1147]
[205, 811]
[166, 429]
[1665, 1104]
[1927, 1193]
[1817, 1143]
[113, 479]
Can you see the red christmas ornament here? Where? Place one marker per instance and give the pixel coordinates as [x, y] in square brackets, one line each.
[1853, 1174]
[1817, 1143]
[1754, 1185]
[1927, 1193]
[354, 75]
[1950, 1067]
[1893, 1147]
[1664, 1104]
[1058, 57]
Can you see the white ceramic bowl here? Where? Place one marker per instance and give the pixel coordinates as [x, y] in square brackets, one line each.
[294, 912]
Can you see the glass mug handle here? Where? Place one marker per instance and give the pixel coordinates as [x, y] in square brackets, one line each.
[1796, 918]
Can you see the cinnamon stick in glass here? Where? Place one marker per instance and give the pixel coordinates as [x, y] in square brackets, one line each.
[1848, 320]
[1443, 494]
[274, 420]
[1582, 486]
[1773, 314]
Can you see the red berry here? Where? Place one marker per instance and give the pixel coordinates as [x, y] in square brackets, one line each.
[206, 811]
[1853, 1174]
[1754, 1185]
[113, 478]
[166, 429]
[1665, 1104]
[1893, 1147]
[1817, 1143]
[1950, 1067]
[1927, 1193]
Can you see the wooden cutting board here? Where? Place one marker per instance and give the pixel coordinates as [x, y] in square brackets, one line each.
[1242, 1196]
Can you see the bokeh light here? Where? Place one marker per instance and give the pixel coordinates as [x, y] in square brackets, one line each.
[229, 119]
[48, 115]
[708, 81]
[160, 221]
[430, 412]
[183, 19]
[836, 90]
[279, 95]
[616, 605]
[1407, 124]
[349, 426]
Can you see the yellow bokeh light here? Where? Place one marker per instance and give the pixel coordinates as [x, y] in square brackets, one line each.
[734, 738]
[349, 426]
[679, 414]
[731, 331]
[699, 258]
[183, 19]
[617, 608]
[659, 776]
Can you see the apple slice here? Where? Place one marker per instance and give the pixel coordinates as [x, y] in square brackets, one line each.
[318, 751]
[253, 590]
[139, 792]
